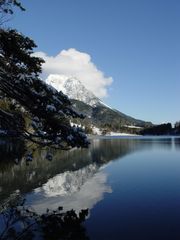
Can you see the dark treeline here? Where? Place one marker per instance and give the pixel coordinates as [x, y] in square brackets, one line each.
[162, 129]
[177, 128]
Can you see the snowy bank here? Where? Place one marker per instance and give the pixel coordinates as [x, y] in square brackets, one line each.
[120, 134]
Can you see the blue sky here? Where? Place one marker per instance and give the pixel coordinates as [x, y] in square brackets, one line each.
[136, 42]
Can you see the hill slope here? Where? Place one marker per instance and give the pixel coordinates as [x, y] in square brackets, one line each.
[104, 117]
[97, 113]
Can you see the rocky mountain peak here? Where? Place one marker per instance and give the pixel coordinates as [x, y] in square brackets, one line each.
[73, 88]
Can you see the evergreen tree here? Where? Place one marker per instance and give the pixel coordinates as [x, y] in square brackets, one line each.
[177, 127]
[7, 9]
[48, 109]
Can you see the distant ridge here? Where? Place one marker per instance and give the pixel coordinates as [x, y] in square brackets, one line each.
[97, 113]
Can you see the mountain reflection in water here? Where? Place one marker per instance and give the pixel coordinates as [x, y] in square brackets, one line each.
[77, 190]
[73, 179]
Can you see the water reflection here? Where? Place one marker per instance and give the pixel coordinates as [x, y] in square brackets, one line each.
[144, 188]
[73, 178]
[77, 190]
[177, 143]
[10, 151]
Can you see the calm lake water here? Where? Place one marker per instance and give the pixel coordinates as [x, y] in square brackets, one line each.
[131, 186]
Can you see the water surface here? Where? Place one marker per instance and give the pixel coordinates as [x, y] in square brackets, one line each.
[131, 186]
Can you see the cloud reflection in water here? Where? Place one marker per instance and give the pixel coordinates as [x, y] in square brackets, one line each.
[77, 190]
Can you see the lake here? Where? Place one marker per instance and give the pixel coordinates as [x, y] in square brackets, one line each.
[131, 185]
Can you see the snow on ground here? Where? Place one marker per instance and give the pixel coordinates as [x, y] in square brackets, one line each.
[120, 134]
[131, 126]
[96, 131]
[105, 105]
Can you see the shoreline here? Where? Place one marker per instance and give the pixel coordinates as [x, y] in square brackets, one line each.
[124, 136]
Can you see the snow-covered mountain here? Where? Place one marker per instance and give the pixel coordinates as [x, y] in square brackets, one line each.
[99, 115]
[73, 88]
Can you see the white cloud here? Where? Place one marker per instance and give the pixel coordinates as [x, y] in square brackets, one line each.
[78, 64]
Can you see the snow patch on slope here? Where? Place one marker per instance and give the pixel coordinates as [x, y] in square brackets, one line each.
[73, 88]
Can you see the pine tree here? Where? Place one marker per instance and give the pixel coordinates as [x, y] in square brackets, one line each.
[49, 110]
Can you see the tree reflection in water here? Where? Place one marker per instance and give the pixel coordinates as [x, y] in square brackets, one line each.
[20, 222]
[80, 166]
[27, 178]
